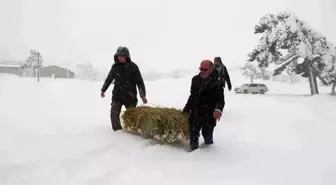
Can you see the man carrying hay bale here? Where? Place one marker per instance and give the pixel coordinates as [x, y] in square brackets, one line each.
[126, 76]
[205, 104]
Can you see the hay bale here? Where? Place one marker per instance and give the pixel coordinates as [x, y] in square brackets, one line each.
[165, 124]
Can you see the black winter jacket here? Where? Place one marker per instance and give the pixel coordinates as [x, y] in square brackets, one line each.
[206, 95]
[126, 77]
[225, 77]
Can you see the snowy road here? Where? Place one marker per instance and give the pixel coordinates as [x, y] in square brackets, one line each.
[58, 132]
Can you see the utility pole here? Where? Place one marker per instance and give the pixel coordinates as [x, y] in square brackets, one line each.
[38, 66]
[34, 52]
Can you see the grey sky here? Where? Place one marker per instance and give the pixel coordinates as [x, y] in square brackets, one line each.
[160, 34]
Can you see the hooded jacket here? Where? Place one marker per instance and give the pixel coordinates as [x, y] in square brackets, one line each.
[126, 77]
[223, 74]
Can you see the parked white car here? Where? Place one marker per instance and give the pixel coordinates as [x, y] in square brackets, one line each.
[252, 88]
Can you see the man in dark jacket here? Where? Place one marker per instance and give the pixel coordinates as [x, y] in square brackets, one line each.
[223, 73]
[126, 76]
[205, 104]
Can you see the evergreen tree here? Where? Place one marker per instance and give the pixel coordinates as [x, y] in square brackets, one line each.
[284, 40]
[33, 61]
[326, 67]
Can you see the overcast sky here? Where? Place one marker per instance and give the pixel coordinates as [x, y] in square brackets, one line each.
[161, 34]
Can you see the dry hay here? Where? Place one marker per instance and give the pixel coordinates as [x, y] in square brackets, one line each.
[165, 124]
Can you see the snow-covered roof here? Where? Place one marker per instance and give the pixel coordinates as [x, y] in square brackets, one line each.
[10, 63]
[56, 65]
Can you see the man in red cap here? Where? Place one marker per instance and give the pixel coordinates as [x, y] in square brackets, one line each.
[205, 104]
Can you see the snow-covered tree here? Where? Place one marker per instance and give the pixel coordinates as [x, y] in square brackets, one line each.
[34, 60]
[326, 67]
[253, 71]
[284, 40]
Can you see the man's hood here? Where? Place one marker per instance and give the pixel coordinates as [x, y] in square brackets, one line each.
[221, 65]
[218, 59]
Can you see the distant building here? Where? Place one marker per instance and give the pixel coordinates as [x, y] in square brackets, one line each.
[11, 67]
[54, 71]
[28, 72]
[83, 71]
[87, 72]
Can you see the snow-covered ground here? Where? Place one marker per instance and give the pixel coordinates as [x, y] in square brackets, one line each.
[58, 132]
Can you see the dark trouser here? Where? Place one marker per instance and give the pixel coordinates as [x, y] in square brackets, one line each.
[115, 113]
[207, 126]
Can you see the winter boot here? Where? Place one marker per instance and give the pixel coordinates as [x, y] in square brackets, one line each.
[208, 141]
[116, 127]
[194, 144]
[207, 132]
[114, 115]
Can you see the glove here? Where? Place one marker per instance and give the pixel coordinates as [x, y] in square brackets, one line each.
[185, 110]
[102, 94]
[185, 113]
[217, 114]
[144, 100]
